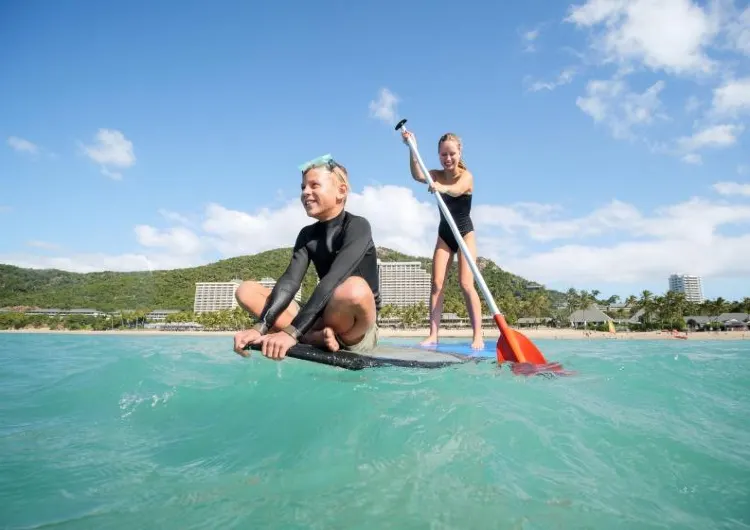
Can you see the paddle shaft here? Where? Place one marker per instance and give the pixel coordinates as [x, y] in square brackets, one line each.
[448, 217]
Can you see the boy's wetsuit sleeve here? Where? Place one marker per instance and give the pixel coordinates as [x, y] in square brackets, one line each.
[356, 242]
[286, 286]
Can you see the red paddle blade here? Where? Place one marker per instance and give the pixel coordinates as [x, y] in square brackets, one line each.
[515, 347]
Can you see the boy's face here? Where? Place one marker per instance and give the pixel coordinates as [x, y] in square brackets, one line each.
[322, 196]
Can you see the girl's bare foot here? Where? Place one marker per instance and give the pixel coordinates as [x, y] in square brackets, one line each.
[477, 344]
[429, 341]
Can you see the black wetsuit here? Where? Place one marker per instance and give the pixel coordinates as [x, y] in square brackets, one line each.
[339, 248]
[460, 209]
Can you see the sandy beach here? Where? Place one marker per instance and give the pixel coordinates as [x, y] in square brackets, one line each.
[541, 333]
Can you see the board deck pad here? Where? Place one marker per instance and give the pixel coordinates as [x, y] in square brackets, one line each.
[385, 355]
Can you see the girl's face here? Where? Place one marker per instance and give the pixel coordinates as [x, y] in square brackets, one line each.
[450, 154]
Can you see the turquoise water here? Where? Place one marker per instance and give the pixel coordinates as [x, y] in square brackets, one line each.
[179, 432]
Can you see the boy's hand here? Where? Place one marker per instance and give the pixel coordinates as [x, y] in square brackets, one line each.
[243, 338]
[275, 345]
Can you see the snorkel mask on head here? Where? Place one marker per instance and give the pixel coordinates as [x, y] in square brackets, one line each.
[328, 162]
[321, 161]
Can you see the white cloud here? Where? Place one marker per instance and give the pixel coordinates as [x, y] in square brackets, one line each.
[176, 240]
[644, 247]
[111, 148]
[384, 108]
[716, 136]
[719, 136]
[614, 104]
[22, 146]
[738, 30]
[616, 242]
[732, 188]
[732, 97]
[564, 78]
[690, 40]
[234, 232]
[663, 35]
[174, 217]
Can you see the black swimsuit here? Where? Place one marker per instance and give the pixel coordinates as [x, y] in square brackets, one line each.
[339, 248]
[460, 209]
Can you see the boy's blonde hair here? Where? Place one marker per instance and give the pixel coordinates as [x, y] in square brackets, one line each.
[333, 167]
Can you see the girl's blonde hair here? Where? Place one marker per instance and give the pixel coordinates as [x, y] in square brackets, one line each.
[450, 136]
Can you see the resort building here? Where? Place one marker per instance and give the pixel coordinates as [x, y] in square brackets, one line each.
[270, 282]
[403, 283]
[215, 296]
[691, 286]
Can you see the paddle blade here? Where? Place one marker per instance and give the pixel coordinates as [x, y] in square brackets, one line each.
[525, 358]
[523, 352]
[515, 347]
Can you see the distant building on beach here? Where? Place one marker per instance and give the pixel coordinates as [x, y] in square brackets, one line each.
[270, 282]
[691, 286]
[403, 283]
[215, 296]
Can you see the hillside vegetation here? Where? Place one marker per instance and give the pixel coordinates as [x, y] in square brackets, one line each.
[175, 289]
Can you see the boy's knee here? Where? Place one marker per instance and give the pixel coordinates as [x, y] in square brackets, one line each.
[354, 291]
[246, 290]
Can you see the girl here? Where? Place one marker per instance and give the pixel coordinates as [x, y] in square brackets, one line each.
[455, 184]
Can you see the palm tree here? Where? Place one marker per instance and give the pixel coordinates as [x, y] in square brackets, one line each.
[572, 299]
[537, 305]
[646, 302]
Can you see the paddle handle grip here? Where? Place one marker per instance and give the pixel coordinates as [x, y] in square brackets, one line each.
[456, 233]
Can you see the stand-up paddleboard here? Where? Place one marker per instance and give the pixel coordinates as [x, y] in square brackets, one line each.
[383, 355]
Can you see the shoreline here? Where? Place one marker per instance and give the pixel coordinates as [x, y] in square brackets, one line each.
[489, 334]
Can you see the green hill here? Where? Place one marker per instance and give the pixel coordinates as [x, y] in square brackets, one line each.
[175, 289]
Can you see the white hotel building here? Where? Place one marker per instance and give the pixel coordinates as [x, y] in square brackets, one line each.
[270, 283]
[403, 283]
[691, 286]
[215, 296]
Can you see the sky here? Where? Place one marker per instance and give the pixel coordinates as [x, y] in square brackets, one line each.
[608, 139]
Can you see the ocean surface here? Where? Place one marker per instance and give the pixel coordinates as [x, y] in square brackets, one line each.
[109, 432]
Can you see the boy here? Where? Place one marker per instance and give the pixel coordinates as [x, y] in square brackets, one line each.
[342, 311]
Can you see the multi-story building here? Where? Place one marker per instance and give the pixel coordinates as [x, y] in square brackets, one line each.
[215, 296]
[691, 286]
[270, 282]
[403, 283]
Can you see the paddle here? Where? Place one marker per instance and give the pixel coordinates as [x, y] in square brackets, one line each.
[512, 346]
